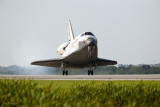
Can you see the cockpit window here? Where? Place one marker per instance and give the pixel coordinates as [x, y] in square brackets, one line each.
[87, 33]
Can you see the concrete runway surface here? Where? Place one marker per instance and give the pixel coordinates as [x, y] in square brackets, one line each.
[83, 77]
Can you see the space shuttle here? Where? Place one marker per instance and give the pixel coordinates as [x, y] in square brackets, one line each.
[77, 53]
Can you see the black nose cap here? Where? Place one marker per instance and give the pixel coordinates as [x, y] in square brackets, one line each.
[92, 42]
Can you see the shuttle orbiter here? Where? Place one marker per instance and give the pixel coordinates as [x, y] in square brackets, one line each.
[79, 52]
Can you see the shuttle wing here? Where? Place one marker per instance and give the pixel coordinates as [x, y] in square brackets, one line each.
[104, 62]
[58, 61]
[51, 62]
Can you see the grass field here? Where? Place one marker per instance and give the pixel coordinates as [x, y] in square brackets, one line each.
[79, 93]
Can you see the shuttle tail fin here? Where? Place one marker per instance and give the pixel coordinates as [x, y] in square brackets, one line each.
[70, 32]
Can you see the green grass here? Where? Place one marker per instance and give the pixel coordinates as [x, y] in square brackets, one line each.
[79, 93]
[55, 83]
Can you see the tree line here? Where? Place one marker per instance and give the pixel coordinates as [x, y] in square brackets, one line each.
[106, 70]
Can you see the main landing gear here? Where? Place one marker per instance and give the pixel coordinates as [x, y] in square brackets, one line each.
[90, 72]
[65, 72]
[63, 66]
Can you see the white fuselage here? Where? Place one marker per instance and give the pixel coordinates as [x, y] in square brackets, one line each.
[83, 49]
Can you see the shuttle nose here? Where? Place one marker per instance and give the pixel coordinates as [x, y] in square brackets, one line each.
[91, 41]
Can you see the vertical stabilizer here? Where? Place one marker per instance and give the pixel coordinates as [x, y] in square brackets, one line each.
[70, 32]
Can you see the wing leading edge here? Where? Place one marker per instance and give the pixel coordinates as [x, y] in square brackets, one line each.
[104, 62]
[50, 63]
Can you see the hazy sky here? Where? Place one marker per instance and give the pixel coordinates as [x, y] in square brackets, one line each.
[127, 30]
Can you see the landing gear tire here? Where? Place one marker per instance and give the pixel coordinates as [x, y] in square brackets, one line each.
[90, 72]
[65, 72]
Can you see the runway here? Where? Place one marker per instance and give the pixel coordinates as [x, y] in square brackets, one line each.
[83, 77]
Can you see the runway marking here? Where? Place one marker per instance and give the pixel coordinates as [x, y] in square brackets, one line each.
[83, 77]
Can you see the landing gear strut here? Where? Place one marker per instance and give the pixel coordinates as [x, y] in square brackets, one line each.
[65, 72]
[90, 50]
[90, 72]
